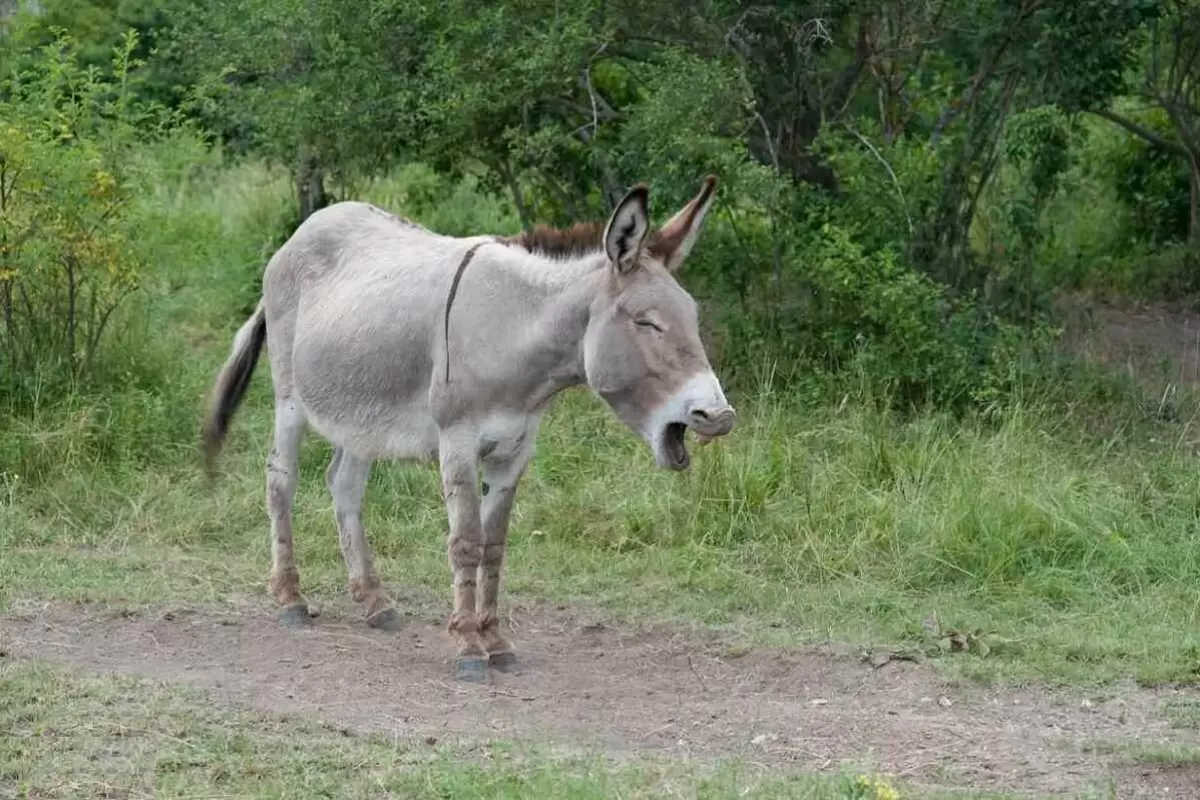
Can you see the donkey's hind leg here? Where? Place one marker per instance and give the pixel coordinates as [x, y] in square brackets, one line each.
[347, 477]
[282, 468]
[332, 469]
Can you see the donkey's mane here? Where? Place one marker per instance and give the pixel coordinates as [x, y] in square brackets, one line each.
[581, 239]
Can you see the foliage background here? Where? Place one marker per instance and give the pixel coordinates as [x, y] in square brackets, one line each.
[905, 188]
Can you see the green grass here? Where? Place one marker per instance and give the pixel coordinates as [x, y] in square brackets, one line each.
[70, 735]
[67, 735]
[1165, 755]
[1069, 560]
[1183, 712]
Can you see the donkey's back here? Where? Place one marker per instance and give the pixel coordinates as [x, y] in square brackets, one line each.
[357, 247]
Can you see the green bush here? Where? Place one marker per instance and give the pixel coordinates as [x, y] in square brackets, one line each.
[863, 321]
[68, 181]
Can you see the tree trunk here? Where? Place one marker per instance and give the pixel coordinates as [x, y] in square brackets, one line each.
[1194, 208]
[506, 174]
[310, 183]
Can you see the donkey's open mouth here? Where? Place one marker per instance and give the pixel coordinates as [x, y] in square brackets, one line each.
[674, 446]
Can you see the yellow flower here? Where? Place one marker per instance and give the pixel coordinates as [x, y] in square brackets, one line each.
[876, 788]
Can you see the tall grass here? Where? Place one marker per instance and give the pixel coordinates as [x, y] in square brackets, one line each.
[1069, 546]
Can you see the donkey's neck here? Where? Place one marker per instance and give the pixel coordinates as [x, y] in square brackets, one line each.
[559, 295]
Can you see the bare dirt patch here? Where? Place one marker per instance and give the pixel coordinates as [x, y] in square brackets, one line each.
[585, 683]
[1154, 343]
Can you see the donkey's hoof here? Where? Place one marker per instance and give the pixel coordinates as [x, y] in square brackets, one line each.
[503, 662]
[471, 669]
[388, 619]
[295, 616]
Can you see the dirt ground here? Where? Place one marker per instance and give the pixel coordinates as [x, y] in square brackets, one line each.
[1157, 344]
[630, 692]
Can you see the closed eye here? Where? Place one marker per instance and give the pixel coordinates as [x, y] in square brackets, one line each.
[646, 323]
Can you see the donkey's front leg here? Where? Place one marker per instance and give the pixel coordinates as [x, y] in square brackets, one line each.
[500, 479]
[465, 546]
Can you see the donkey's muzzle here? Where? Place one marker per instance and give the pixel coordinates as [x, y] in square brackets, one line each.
[708, 423]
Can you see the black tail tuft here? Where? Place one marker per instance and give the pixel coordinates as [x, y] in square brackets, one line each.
[230, 388]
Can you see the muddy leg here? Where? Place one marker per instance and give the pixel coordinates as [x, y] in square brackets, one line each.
[465, 545]
[348, 483]
[282, 466]
[500, 481]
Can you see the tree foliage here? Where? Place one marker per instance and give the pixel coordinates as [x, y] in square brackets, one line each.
[920, 151]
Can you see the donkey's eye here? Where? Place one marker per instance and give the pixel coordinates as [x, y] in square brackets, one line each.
[645, 323]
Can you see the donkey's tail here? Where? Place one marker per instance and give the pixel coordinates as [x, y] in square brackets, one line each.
[231, 384]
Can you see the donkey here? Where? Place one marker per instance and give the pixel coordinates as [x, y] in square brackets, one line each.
[386, 344]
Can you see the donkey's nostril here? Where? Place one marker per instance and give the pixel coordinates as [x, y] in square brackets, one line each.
[712, 422]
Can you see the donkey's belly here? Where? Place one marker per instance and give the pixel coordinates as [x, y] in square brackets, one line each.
[363, 381]
[396, 432]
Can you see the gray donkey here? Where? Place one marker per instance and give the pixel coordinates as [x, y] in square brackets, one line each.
[385, 343]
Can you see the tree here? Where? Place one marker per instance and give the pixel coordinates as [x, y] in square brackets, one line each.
[329, 93]
[1170, 83]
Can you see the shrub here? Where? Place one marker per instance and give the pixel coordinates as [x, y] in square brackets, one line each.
[864, 321]
[67, 253]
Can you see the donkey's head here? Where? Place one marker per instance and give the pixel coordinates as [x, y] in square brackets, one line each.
[642, 349]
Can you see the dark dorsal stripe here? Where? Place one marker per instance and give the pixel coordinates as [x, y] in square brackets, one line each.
[462, 267]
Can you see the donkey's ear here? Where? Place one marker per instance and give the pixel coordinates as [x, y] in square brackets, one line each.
[674, 240]
[626, 229]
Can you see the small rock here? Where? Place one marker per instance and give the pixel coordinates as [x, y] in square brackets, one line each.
[1085, 703]
[945, 702]
[879, 659]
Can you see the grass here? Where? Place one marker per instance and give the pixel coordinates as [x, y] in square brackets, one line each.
[70, 735]
[1165, 755]
[1183, 712]
[1070, 561]
[1067, 546]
